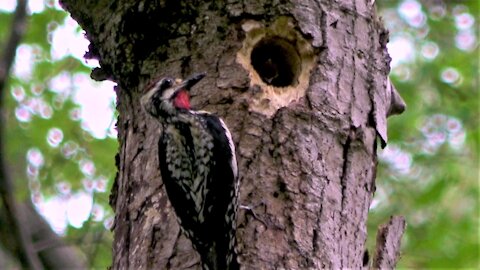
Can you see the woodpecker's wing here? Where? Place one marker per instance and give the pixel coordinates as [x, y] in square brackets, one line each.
[177, 160]
[224, 147]
[222, 181]
[222, 190]
[202, 186]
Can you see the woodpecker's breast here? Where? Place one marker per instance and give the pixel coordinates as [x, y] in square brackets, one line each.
[189, 157]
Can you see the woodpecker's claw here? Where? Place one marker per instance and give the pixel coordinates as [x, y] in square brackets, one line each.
[251, 210]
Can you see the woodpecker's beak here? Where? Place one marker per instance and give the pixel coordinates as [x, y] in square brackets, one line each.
[190, 82]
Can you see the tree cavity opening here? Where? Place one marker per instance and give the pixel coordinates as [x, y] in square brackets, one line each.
[276, 61]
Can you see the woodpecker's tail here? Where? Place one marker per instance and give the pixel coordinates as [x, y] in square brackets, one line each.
[216, 259]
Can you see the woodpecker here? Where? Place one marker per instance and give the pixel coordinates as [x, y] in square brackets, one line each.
[199, 170]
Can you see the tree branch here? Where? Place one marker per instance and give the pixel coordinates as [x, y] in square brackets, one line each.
[21, 244]
[388, 243]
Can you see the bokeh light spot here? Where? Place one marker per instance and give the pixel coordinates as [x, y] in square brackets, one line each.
[36, 6]
[24, 62]
[411, 12]
[439, 129]
[88, 185]
[465, 40]
[18, 93]
[23, 114]
[108, 223]
[62, 83]
[400, 161]
[450, 75]
[75, 114]
[100, 184]
[430, 50]
[54, 137]
[45, 111]
[401, 50]
[79, 207]
[7, 5]
[69, 149]
[464, 21]
[32, 172]
[87, 167]
[36, 89]
[98, 213]
[437, 12]
[64, 188]
[35, 157]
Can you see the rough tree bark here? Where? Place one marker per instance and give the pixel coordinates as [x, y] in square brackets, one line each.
[303, 87]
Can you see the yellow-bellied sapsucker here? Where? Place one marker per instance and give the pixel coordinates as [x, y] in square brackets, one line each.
[199, 170]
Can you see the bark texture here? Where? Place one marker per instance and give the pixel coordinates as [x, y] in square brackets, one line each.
[389, 236]
[307, 168]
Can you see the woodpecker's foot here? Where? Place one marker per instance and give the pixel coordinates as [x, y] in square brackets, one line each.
[250, 209]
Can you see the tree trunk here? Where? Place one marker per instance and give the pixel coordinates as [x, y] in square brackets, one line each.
[303, 87]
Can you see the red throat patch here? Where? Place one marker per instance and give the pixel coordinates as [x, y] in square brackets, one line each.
[182, 100]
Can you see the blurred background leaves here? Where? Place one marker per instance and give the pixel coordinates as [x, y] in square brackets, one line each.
[61, 140]
[429, 172]
[61, 137]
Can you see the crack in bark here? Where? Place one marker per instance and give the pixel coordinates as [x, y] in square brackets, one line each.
[323, 23]
[345, 167]
[343, 183]
[337, 82]
[354, 69]
[125, 189]
[370, 81]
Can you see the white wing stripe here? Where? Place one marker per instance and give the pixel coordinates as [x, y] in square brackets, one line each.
[232, 149]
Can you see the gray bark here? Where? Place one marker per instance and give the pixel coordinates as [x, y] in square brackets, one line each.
[306, 150]
[389, 237]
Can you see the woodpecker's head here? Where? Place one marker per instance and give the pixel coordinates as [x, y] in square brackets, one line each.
[168, 96]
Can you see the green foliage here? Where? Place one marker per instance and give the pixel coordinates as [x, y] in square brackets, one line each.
[72, 165]
[439, 134]
[41, 25]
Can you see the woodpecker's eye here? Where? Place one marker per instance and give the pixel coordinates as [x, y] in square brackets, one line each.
[166, 83]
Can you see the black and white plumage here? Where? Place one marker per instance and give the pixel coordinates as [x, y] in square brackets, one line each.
[199, 170]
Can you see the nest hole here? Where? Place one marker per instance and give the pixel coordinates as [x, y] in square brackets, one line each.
[276, 61]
